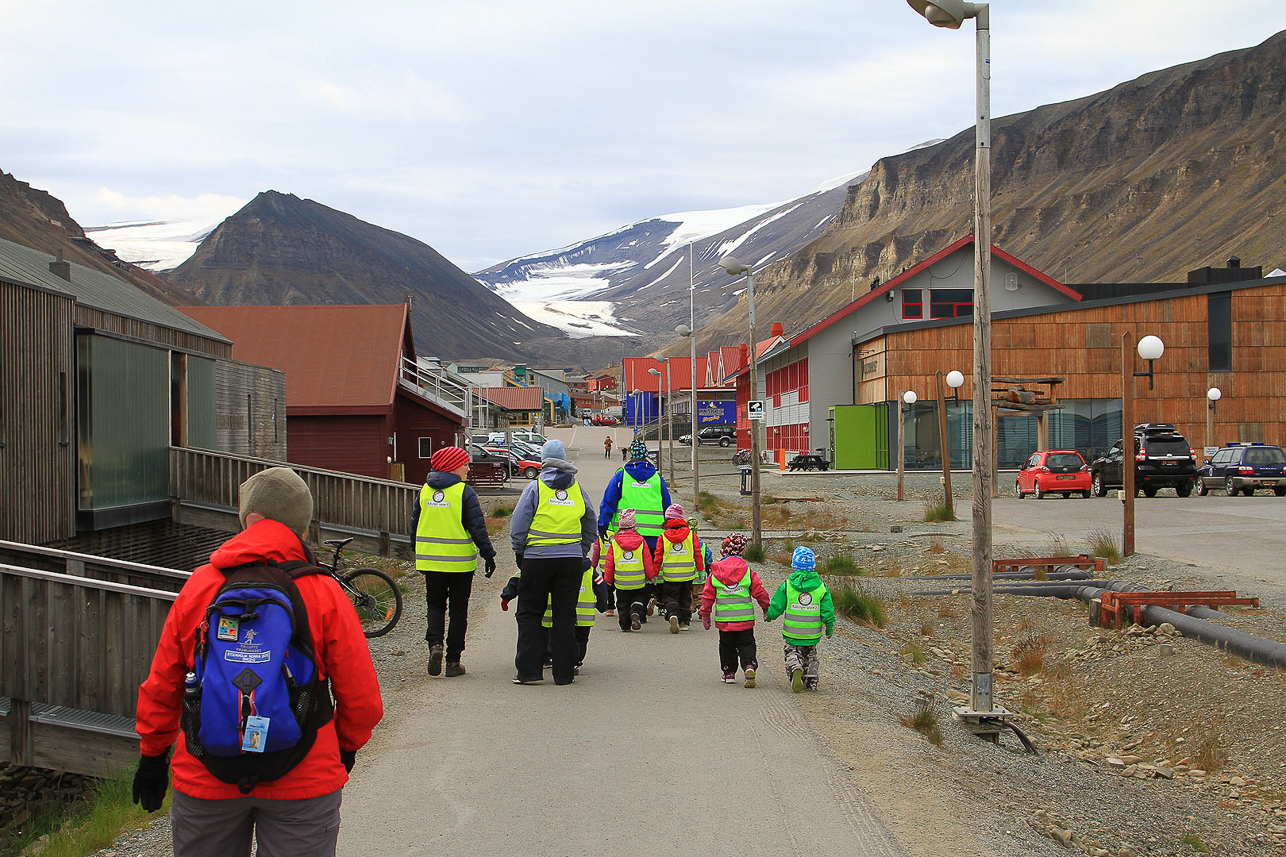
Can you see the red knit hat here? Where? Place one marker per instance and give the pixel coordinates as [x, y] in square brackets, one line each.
[448, 458]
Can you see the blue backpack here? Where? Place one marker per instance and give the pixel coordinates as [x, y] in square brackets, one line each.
[253, 703]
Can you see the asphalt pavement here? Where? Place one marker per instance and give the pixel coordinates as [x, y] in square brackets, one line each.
[647, 753]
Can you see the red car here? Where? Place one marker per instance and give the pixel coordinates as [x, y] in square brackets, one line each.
[1058, 471]
[603, 420]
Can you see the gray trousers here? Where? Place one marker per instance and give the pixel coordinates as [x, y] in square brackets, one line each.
[205, 827]
[802, 658]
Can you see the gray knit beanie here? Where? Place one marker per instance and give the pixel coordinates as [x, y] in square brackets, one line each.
[280, 494]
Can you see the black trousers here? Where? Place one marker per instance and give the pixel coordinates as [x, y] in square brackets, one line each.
[631, 601]
[582, 643]
[678, 600]
[737, 645]
[443, 589]
[541, 579]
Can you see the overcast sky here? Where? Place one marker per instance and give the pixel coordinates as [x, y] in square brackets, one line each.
[493, 129]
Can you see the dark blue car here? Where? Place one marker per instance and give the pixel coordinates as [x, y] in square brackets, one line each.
[1244, 467]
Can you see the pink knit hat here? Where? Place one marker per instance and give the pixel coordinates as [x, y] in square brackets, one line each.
[627, 521]
[674, 511]
[448, 458]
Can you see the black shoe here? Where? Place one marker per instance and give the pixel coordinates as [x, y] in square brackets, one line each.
[520, 680]
[435, 659]
[571, 680]
[635, 622]
[454, 668]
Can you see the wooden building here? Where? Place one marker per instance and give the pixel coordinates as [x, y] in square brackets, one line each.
[356, 400]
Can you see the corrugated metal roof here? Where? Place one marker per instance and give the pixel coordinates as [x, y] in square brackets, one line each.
[333, 356]
[94, 289]
[515, 398]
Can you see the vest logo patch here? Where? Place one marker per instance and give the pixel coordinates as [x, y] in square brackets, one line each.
[805, 598]
[560, 498]
[561, 494]
[628, 555]
[677, 548]
[438, 496]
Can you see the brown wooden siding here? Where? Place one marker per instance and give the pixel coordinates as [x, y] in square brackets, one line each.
[351, 444]
[37, 379]
[250, 403]
[1083, 346]
[112, 323]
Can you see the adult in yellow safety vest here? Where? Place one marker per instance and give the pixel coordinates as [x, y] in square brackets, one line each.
[678, 556]
[450, 534]
[551, 531]
[640, 487]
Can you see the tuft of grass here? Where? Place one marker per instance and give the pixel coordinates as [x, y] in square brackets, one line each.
[936, 546]
[1103, 543]
[88, 826]
[841, 563]
[1040, 573]
[1058, 545]
[947, 610]
[915, 652]
[1194, 842]
[754, 552]
[924, 719]
[788, 545]
[926, 629]
[502, 511]
[708, 503]
[860, 606]
[937, 512]
[1067, 697]
[1029, 654]
[1208, 752]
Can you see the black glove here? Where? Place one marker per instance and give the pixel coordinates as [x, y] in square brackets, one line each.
[602, 533]
[490, 563]
[518, 559]
[151, 780]
[585, 564]
[349, 758]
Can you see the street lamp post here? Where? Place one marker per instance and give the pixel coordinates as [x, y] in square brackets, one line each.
[1214, 394]
[736, 268]
[905, 401]
[954, 380]
[684, 330]
[1150, 349]
[656, 373]
[951, 14]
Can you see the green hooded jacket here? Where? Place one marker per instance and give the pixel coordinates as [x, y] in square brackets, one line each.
[803, 579]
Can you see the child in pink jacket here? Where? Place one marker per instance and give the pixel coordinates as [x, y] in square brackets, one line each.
[731, 592]
[628, 568]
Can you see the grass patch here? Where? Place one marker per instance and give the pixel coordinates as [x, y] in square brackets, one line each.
[937, 512]
[708, 503]
[502, 511]
[841, 564]
[1103, 543]
[1040, 573]
[926, 629]
[915, 652]
[1194, 842]
[924, 719]
[1058, 545]
[860, 606]
[85, 827]
[947, 610]
[754, 552]
[1029, 654]
[1067, 699]
[788, 546]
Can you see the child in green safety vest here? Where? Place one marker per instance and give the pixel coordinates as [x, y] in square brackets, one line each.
[731, 592]
[804, 602]
[628, 568]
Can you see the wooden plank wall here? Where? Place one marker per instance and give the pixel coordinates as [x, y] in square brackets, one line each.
[98, 319]
[77, 642]
[1084, 347]
[37, 422]
[250, 403]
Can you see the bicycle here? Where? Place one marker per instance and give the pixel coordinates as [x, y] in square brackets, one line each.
[375, 596]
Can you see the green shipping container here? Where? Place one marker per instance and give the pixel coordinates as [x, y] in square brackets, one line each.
[860, 436]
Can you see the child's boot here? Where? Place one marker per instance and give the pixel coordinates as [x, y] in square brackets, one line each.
[797, 680]
[750, 676]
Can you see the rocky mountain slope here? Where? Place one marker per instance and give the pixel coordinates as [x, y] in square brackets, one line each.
[1176, 170]
[34, 218]
[280, 249]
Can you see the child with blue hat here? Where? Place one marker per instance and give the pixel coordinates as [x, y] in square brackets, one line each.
[805, 603]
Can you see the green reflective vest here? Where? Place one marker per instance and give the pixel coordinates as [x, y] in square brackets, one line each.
[645, 499]
[585, 603]
[441, 541]
[678, 559]
[558, 515]
[627, 567]
[803, 617]
[733, 603]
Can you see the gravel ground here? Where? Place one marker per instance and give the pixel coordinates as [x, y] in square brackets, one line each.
[1140, 752]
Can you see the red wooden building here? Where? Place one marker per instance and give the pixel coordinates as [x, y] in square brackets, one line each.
[355, 401]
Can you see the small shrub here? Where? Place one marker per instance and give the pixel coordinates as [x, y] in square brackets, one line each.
[841, 563]
[946, 610]
[937, 512]
[754, 552]
[1029, 654]
[859, 606]
[926, 629]
[1102, 543]
[502, 511]
[924, 719]
[1194, 842]
[915, 652]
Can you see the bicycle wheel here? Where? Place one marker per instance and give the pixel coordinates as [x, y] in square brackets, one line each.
[376, 598]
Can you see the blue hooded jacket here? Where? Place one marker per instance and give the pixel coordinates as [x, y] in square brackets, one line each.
[640, 471]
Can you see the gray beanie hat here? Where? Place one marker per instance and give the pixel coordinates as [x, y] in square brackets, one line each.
[280, 494]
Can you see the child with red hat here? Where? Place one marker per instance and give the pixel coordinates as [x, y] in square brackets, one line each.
[450, 534]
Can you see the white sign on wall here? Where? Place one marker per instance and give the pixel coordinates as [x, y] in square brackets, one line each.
[755, 409]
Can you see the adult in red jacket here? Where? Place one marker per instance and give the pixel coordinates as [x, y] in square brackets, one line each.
[298, 813]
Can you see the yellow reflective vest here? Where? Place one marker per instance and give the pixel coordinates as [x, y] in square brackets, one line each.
[557, 520]
[586, 603]
[441, 541]
[628, 571]
[678, 559]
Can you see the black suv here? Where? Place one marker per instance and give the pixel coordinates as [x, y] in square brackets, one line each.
[1162, 459]
[723, 435]
[1244, 467]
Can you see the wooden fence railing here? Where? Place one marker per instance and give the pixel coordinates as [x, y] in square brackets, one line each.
[73, 652]
[342, 502]
[40, 558]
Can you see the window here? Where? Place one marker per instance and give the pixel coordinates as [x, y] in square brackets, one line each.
[950, 303]
[1219, 325]
[912, 303]
[426, 447]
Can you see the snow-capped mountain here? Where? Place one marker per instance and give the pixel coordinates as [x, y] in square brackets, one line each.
[634, 281]
[156, 245]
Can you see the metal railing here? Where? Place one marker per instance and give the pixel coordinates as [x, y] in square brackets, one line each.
[443, 387]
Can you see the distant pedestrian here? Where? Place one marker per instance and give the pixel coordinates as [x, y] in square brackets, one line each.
[551, 531]
[628, 568]
[607, 447]
[678, 560]
[805, 603]
[450, 534]
[732, 590]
